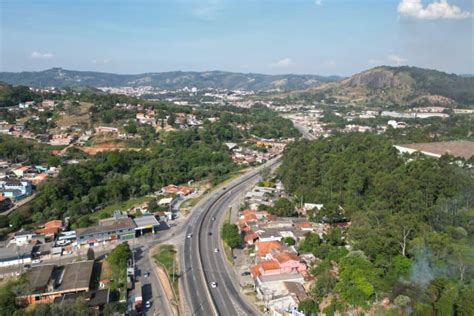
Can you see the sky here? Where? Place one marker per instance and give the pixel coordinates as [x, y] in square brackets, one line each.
[325, 37]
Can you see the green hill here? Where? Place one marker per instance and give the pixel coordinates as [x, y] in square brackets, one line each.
[58, 77]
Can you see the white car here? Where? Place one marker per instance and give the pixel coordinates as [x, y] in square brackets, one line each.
[216, 249]
[189, 236]
[37, 261]
[213, 285]
[148, 304]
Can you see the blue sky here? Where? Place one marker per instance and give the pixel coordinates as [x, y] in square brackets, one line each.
[295, 36]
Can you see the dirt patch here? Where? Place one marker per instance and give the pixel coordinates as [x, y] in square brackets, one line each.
[94, 149]
[74, 115]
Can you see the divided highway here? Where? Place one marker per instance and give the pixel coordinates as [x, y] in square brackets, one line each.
[202, 265]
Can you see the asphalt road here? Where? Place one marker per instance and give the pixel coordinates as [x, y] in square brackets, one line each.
[304, 131]
[202, 265]
[152, 289]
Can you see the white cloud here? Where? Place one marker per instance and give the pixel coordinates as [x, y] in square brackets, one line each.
[101, 61]
[319, 2]
[391, 59]
[438, 9]
[38, 55]
[206, 10]
[396, 60]
[283, 63]
[374, 61]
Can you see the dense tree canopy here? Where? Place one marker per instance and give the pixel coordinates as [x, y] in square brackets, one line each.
[409, 218]
[231, 235]
[115, 176]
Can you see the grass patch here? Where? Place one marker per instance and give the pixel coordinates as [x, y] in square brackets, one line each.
[227, 217]
[124, 205]
[165, 256]
[229, 254]
[105, 271]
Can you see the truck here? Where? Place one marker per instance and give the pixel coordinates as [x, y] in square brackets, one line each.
[138, 296]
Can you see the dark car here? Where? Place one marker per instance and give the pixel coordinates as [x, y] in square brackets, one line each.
[245, 273]
[209, 233]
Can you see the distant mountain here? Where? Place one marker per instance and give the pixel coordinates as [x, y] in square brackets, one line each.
[384, 86]
[58, 77]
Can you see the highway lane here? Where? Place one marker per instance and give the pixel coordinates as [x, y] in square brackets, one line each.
[304, 131]
[202, 265]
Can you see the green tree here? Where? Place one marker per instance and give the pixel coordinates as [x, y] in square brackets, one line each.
[283, 207]
[231, 235]
[334, 237]
[357, 280]
[16, 220]
[309, 307]
[465, 303]
[171, 119]
[289, 241]
[309, 243]
[131, 127]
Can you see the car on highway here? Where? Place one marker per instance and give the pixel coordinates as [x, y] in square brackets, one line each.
[189, 236]
[213, 218]
[209, 233]
[216, 249]
[213, 285]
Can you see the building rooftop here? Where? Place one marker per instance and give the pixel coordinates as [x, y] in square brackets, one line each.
[297, 289]
[459, 148]
[39, 277]
[93, 298]
[106, 226]
[12, 253]
[280, 277]
[146, 221]
[76, 276]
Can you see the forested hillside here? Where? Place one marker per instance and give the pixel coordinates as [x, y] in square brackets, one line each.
[395, 86]
[58, 77]
[411, 235]
[116, 176]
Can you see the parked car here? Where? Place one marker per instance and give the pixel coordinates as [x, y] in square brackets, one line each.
[245, 273]
[147, 304]
[37, 261]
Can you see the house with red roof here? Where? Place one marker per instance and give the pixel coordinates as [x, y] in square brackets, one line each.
[289, 262]
[265, 248]
[266, 267]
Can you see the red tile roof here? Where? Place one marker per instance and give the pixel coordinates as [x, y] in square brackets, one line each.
[266, 265]
[264, 247]
[286, 256]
